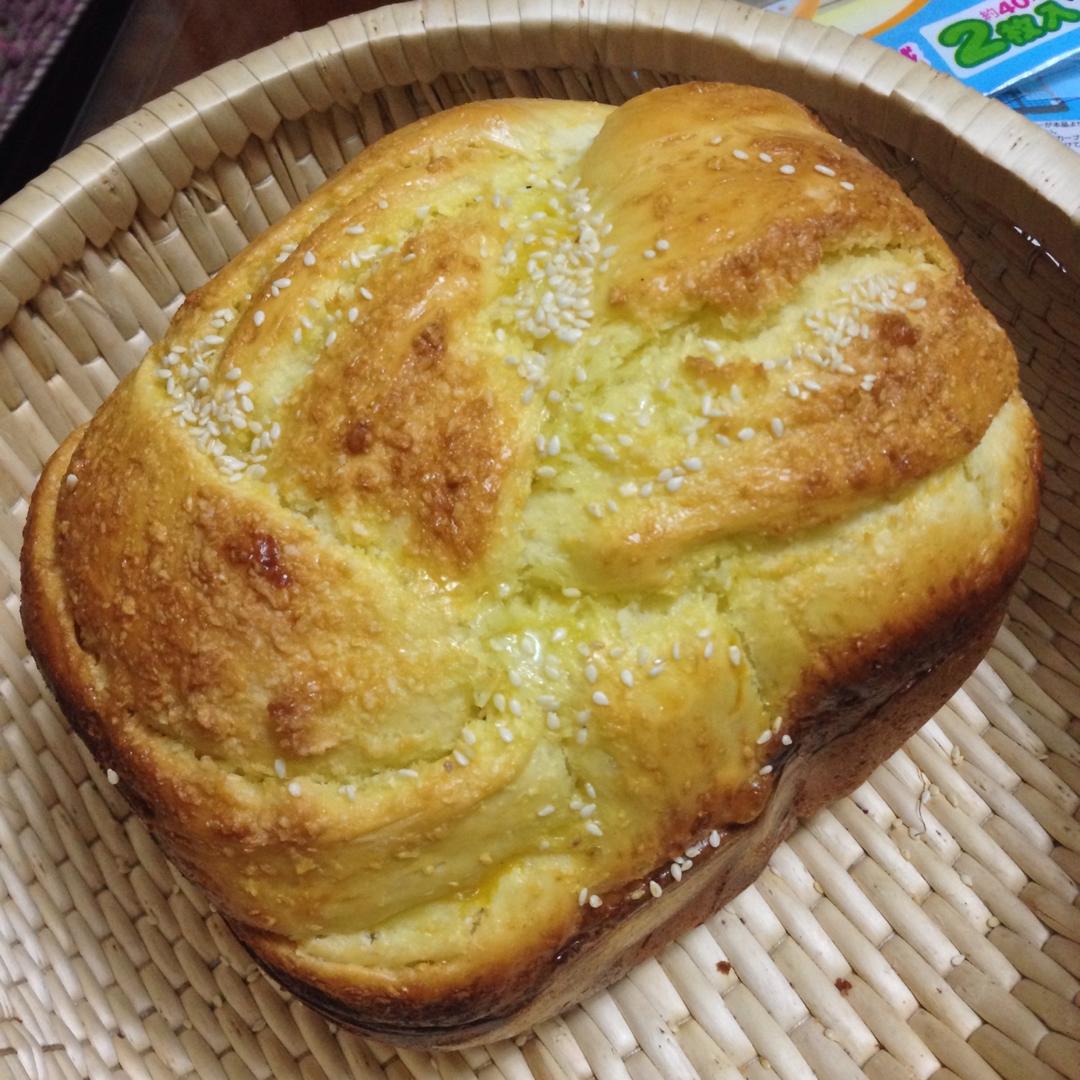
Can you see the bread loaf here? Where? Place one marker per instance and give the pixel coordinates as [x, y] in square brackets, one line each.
[496, 559]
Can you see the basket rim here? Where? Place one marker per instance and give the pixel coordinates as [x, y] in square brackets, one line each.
[976, 143]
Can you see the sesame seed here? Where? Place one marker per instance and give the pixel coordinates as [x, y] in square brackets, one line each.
[662, 245]
[587, 810]
[382, 204]
[70, 480]
[627, 677]
[354, 230]
[570, 592]
[582, 896]
[309, 258]
[293, 788]
[282, 282]
[595, 901]
[348, 790]
[600, 698]
[917, 304]
[674, 483]
[785, 740]
[714, 839]
[259, 317]
[746, 434]
[742, 155]
[787, 170]
[461, 757]
[365, 292]
[593, 828]
[734, 655]
[909, 287]
[591, 674]
[505, 733]
[546, 472]
[776, 426]
[545, 811]
[764, 737]
[847, 185]
[331, 338]
[693, 464]
[765, 770]
[279, 768]
[708, 651]
[553, 722]
[767, 158]
[515, 706]
[676, 871]
[112, 776]
[410, 774]
[655, 889]
[469, 736]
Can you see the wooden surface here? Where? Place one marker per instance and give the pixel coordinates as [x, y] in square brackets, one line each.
[39, 128]
[165, 42]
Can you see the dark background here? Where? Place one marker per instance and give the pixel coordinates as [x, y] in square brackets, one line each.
[123, 53]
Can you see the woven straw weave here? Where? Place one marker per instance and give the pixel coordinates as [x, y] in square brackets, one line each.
[925, 927]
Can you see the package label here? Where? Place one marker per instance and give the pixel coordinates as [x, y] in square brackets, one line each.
[1026, 52]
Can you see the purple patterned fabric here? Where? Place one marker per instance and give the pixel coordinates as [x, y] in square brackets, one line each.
[31, 34]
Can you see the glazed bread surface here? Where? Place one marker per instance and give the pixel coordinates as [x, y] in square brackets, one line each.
[495, 559]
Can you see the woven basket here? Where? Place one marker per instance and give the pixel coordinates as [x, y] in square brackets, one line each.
[925, 927]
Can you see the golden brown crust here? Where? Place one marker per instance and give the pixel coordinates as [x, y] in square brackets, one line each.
[556, 486]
